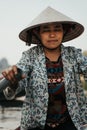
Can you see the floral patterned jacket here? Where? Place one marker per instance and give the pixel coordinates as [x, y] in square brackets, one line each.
[34, 109]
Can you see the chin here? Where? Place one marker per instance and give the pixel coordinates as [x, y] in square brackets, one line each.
[53, 48]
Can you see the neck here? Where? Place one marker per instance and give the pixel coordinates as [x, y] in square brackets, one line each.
[52, 54]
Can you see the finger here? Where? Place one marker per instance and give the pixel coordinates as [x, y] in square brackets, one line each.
[14, 67]
[1, 77]
[7, 73]
[4, 73]
[11, 76]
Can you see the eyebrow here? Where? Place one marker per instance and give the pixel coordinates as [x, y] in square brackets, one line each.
[57, 26]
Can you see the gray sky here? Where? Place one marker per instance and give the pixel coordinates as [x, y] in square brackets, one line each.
[15, 15]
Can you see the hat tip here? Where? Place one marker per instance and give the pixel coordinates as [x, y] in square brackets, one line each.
[49, 7]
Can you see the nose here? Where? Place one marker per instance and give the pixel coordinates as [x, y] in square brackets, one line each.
[52, 34]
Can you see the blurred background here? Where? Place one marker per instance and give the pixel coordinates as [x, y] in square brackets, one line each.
[15, 15]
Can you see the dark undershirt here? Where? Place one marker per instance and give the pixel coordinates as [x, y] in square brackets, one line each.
[57, 108]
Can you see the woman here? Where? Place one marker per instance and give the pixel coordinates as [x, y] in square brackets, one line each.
[54, 97]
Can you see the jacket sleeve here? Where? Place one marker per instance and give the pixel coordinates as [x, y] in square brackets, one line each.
[82, 98]
[23, 64]
[82, 63]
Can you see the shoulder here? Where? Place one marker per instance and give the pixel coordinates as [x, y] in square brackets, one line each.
[72, 52]
[72, 49]
[35, 49]
[32, 52]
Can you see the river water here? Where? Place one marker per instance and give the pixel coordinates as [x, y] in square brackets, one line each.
[9, 118]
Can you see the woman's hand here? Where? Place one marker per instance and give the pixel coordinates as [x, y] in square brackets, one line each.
[10, 74]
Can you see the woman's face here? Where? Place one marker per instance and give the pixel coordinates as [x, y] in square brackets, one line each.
[51, 35]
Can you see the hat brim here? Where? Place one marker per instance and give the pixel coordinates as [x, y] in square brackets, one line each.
[76, 29]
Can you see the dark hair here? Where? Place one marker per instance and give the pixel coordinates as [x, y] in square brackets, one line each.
[32, 33]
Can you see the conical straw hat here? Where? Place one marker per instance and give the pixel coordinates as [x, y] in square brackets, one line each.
[50, 15]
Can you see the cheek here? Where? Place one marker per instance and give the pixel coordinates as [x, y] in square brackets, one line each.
[61, 36]
[43, 38]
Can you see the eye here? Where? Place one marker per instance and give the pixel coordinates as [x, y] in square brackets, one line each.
[45, 30]
[57, 30]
